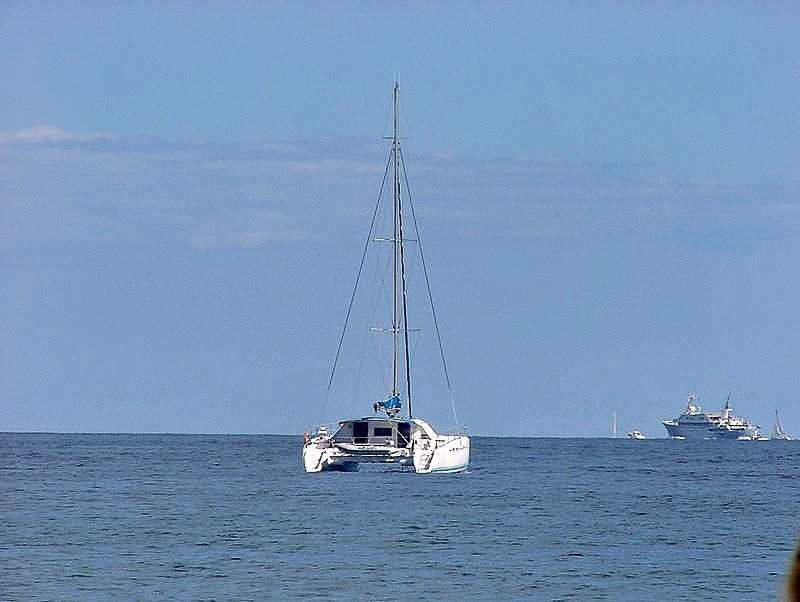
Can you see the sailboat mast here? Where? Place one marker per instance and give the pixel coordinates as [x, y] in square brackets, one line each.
[399, 281]
[396, 244]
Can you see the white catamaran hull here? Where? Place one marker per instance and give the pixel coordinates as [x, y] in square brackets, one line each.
[409, 443]
[450, 453]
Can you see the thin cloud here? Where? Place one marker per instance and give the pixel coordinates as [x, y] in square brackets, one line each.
[49, 134]
[209, 194]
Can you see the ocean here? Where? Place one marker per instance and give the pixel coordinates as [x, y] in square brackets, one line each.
[213, 517]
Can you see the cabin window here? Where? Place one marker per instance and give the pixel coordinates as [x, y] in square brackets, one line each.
[381, 431]
[403, 434]
[360, 432]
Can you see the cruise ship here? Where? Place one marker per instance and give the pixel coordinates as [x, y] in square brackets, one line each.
[694, 423]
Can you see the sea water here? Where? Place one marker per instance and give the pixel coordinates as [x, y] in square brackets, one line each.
[149, 517]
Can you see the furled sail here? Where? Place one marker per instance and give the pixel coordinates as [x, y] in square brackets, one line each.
[391, 406]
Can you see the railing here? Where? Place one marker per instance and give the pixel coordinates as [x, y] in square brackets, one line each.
[329, 429]
[457, 429]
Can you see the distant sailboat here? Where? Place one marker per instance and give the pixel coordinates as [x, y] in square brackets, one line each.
[777, 430]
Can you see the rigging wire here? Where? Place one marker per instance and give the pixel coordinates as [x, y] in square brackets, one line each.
[405, 298]
[355, 288]
[428, 285]
[395, 154]
[379, 294]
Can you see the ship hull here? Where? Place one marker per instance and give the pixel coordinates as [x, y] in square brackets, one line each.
[699, 432]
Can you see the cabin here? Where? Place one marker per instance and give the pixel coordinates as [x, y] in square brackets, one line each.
[375, 432]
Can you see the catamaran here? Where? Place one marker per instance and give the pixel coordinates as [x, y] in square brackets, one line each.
[397, 436]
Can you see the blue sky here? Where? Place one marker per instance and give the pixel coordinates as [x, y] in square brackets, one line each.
[608, 195]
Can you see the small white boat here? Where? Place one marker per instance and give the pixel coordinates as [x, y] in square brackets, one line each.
[755, 437]
[391, 439]
[636, 435]
[777, 430]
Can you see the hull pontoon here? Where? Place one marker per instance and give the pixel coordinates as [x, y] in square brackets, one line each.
[404, 441]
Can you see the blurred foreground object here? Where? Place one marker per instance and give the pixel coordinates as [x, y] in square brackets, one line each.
[793, 581]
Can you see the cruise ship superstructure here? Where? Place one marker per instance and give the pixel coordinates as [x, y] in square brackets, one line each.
[694, 423]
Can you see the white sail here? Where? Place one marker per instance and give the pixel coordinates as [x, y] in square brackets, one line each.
[777, 430]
